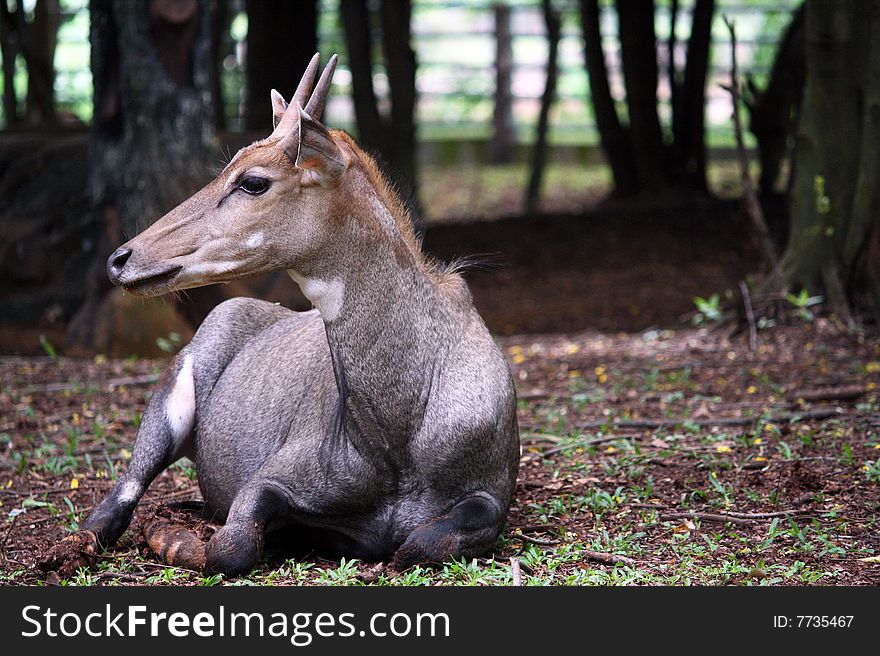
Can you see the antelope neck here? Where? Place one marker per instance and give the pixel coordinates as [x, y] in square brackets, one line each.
[385, 320]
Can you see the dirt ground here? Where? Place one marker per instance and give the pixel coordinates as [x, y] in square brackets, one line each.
[661, 457]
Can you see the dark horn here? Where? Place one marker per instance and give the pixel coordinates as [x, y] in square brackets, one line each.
[319, 96]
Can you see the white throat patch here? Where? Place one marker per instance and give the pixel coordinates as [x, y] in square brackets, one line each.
[326, 295]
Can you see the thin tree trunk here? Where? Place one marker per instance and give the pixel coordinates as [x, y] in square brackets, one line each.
[282, 37]
[220, 41]
[773, 111]
[866, 196]
[35, 40]
[553, 23]
[42, 37]
[8, 52]
[400, 65]
[638, 46]
[614, 137]
[358, 40]
[691, 127]
[504, 135]
[671, 69]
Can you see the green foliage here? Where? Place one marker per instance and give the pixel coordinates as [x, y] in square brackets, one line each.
[48, 348]
[803, 302]
[708, 309]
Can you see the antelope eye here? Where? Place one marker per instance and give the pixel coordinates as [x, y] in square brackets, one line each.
[253, 185]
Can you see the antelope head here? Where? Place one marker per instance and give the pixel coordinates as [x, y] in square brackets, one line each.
[266, 211]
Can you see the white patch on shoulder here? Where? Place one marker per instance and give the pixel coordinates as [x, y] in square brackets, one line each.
[130, 491]
[326, 295]
[180, 406]
[255, 240]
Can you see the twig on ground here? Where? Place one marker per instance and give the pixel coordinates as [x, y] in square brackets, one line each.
[111, 384]
[536, 528]
[528, 437]
[704, 517]
[818, 413]
[750, 197]
[532, 395]
[837, 394]
[582, 444]
[750, 315]
[608, 558]
[765, 515]
[6, 537]
[544, 542]
[515, 571]
[730, 516]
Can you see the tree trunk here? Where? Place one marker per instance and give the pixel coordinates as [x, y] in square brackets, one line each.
[504, 135]
[221, 47]
[42, 38]
[153, 139]
[671, 68]
[689, 135]
[391, 139]
[553, 23]
[638, 46]
[400, 64]
[358, 31]
[8, 51]
[614, 137]
[773, 111]
[282, 37]
[835, 203]
[36, 43]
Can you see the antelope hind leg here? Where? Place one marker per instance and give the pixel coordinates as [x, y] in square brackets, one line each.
[469, 529]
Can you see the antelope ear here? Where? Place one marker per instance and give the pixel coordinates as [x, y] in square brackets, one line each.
[279, 105]
[318, 153]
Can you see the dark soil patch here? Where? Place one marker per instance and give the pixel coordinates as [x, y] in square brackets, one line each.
[626, 267]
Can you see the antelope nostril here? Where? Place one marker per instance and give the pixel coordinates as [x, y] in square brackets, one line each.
[116, 263]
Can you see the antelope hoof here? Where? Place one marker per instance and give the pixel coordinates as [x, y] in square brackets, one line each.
[234, 549]
[68, 556]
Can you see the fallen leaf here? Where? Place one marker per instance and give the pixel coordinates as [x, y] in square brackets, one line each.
[686, 526]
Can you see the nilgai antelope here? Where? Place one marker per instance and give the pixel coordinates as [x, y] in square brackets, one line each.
[383, 421]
